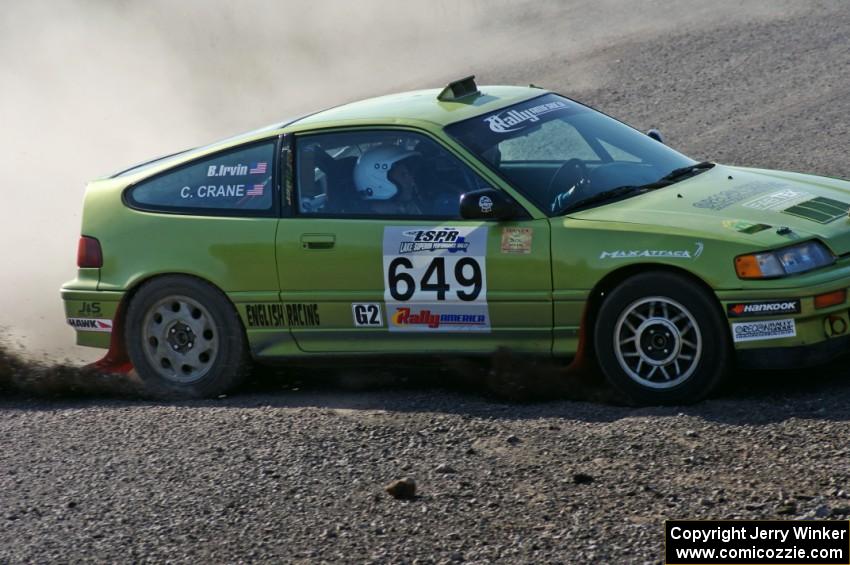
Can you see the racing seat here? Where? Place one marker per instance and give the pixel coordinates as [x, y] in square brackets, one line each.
[341, 192]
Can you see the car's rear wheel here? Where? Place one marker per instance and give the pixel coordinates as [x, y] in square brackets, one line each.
[660, 339]
[185, 339]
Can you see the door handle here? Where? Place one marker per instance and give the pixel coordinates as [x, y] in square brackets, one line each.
[318, 240]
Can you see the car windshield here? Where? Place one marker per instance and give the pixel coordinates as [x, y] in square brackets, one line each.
[563, 156]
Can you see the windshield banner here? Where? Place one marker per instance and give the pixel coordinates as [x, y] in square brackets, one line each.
[488, 130]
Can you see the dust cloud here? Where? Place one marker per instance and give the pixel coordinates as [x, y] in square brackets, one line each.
[90, 86]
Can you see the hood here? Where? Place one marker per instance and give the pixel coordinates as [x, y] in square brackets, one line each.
[767, 208]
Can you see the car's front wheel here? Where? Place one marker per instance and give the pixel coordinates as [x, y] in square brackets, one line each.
[660, 339]
[185, 339]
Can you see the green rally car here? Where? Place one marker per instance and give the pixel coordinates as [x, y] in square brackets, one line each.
[460, 221]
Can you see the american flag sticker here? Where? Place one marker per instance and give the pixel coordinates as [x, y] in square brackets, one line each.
[256, 190]
[258, 168]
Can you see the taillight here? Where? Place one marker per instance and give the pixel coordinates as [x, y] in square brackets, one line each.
[89, 254]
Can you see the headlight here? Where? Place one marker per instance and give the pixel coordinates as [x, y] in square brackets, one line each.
[798, 258]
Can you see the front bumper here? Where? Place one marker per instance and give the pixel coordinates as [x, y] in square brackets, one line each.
[794, 357]
[808, 337]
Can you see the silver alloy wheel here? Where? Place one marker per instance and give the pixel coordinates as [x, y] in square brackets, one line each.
[180, 339]
[657, 342]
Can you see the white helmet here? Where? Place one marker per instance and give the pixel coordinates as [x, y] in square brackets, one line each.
[372, 168]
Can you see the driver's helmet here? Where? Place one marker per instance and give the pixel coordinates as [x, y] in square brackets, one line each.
[372, 168]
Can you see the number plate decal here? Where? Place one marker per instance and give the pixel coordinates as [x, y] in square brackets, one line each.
[435, 279]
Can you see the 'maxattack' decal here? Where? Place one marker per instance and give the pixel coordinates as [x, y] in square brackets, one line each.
[435, 278]
[654, 253]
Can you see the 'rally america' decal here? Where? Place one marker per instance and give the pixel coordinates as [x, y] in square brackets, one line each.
[516, 119]
[767, 308]
[90, 324]
[763, 330]
[435, 278]
[437, 317]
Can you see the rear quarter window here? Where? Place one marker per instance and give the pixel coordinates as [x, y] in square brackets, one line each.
[231, 182]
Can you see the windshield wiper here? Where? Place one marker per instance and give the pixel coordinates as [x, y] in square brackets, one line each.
[681, 172]
[609, 195]
[673, 176]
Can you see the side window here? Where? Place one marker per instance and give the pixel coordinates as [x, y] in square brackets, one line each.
[229, 182]
[555, 140]
[379, 174]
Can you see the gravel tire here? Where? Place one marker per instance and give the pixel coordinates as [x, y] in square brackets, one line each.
[661, 339]
[185, 339]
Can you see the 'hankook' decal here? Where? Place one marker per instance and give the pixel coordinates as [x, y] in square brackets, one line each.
[765, 308]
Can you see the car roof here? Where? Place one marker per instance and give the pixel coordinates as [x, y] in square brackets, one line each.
[419, 106]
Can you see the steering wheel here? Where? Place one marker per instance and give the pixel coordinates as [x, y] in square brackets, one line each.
[571, 182]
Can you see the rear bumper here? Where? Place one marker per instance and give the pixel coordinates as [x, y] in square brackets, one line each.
[92, 314]
[793, 357]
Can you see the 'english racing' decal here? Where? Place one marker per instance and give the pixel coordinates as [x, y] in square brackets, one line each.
[273, 315]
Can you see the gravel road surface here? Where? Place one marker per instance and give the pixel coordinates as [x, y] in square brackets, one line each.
[293, 469]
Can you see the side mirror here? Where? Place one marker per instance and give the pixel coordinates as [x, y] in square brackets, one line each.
[656, 135]
[487, 204]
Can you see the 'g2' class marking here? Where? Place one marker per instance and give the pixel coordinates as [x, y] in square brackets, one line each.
[367, 315]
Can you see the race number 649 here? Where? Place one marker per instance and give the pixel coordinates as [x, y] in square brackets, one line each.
[464, 280]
